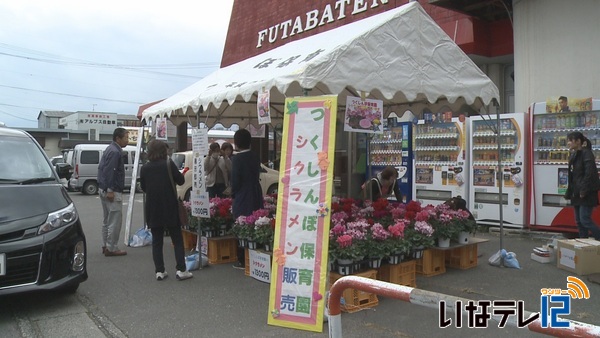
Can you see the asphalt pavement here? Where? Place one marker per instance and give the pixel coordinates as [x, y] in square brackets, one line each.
[122, 299]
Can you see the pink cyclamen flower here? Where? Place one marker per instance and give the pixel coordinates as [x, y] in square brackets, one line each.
[344, 241]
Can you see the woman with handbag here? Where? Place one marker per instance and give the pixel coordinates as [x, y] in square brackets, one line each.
[157, 178]
[216, 172]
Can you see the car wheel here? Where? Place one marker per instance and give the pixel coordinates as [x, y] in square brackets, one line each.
[90, 188]
[272, 189]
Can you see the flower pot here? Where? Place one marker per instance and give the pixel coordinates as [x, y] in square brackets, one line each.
[210, 233]
[396, 258]
[242, 243]
[223, 230]
[444, 242]
[345, 266]
[268, 247]
[417, 252]
[375, 262]
[463, 237]
[252, 245]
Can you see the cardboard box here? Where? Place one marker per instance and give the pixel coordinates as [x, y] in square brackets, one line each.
[581, 256]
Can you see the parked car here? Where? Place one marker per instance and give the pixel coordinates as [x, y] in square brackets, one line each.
[184, 160]
[42, 244]
[86, 158]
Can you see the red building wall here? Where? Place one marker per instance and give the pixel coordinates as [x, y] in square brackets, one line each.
[248, 18]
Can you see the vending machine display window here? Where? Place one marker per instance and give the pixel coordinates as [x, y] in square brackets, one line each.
[550, 135]
[424, 175]
[484, 177]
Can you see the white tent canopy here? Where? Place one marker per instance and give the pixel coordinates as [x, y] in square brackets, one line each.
[400, 56]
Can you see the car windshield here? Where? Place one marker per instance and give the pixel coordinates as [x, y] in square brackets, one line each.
[23, 162]
[179, 160]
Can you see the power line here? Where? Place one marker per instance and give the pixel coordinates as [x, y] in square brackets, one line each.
[60, 60]
[72, 95]
[15, 116]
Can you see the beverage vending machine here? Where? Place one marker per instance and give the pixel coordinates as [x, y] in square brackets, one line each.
[394, 148]
[484, 196]
[549, 210]
[441, 168]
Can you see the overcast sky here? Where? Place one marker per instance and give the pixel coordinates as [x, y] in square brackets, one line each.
[104, 56]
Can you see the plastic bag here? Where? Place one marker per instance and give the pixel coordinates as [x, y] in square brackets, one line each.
[510, 260]
[141, 237]
[192, 261]
[496, 259]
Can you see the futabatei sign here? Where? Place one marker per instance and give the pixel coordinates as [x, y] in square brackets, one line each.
[299, 269]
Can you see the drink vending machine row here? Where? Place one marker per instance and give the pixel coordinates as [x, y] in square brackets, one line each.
[549, 210]
[441, 168]
[486, 178]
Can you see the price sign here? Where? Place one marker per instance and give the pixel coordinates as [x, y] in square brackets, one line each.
[260, 266]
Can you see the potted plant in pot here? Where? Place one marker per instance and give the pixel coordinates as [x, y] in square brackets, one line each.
[264, 229]
[375, 245]
[398, 246]
[345, 250]
[420, 236]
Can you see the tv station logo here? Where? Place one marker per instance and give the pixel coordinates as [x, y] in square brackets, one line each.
[553, 304]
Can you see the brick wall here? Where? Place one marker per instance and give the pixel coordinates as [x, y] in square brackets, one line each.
[248, 18]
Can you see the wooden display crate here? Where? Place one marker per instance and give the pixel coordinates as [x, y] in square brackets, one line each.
[356, 300]
[190, 238]
[401, 274]
[222, 250]
[247, 262]
[464, 257]
[432, 263]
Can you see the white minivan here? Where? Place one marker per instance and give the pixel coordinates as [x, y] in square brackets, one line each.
[86, 158]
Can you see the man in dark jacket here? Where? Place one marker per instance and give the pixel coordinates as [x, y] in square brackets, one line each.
[583, 184]
[245, 182]
[111, 181]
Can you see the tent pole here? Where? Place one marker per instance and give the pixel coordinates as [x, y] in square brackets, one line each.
[500, 176]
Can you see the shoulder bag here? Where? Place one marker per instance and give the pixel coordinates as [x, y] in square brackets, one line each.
[182, 211]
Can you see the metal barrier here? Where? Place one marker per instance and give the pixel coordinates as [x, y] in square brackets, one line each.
[431, 300]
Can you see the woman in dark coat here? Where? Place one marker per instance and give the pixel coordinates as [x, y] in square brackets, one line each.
[245, 182]
[161, 207]
[583, 184]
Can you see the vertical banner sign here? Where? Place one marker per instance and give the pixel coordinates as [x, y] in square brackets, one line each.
[299, 269]
[199, 196]
[136, 166]
[263, 107]
[161, 128]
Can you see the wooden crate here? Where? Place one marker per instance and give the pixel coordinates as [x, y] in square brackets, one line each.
[464, 257]
[432, 263]
[401, 274]
[222, 250]
[190, 237]
[356, 300]
[247, 262]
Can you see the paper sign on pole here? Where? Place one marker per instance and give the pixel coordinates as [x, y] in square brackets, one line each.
[199, 196]
[299, 269]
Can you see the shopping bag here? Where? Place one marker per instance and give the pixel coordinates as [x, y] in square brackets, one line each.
[141, 237]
